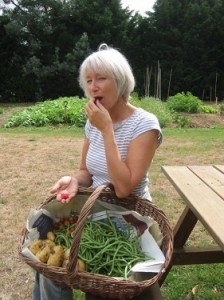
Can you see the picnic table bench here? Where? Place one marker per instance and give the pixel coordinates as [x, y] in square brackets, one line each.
[202, 189]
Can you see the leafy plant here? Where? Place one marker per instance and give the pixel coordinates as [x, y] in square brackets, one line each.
[221, 108]
[51, 112]
[184, 102]
[1, 110]
[182, 121]
[156, 107]
[208, 109]
[70, 110]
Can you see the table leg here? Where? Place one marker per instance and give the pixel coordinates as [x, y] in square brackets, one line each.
[184, 227]
[182, 231]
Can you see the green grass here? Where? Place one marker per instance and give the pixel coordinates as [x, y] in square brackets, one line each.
[61, 130]
[195, 133]
[182, 143]
[182, 279]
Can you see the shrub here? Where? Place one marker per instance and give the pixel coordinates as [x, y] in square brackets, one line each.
[71, 111]
[1, 110]
[155, 106]
[51, 112]
[181, 121]
[221, 108]
[208, 109]
[182, 102]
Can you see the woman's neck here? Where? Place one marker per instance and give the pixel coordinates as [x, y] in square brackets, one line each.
[121, 111]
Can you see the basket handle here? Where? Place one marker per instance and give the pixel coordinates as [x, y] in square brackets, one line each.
[73, 257]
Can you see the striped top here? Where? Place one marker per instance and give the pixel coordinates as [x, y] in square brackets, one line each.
[125, 131]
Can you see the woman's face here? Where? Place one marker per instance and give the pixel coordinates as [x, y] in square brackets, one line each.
[101, 87]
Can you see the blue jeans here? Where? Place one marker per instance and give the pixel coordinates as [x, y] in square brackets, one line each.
[45, 289]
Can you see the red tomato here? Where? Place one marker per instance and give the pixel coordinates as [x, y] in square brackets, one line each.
[64, 196]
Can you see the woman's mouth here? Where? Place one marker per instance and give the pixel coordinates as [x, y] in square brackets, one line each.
[98, 98]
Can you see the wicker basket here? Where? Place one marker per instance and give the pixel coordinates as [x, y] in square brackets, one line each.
[103, 286]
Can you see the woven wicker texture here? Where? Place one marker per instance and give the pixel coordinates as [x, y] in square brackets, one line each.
[96, 284]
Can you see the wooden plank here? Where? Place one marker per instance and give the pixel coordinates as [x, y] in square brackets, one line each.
[220, 168]
[194, 255]
[203, 201]
[211, 176]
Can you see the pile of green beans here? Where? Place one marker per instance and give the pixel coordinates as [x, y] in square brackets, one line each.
[106, 250]
[63, 237]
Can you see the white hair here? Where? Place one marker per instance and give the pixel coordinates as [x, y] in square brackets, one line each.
[113, 63]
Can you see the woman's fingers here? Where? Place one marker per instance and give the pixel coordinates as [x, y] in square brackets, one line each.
[66, 195]
[61, 184]
[66, 188]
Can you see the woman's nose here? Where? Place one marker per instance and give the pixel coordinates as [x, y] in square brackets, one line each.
[94, 86]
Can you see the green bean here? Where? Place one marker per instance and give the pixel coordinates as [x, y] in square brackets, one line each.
[62, 240]
[104, 248]
[116, 254]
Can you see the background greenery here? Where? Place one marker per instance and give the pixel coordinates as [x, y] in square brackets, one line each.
[70, 111]
[42, 43]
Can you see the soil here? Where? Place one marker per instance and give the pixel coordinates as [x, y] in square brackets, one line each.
[31, 164]
[202, 120]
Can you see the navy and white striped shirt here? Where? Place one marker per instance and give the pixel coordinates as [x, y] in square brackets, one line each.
[125, 131]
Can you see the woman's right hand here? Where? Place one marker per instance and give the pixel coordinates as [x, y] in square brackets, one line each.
[65, 188]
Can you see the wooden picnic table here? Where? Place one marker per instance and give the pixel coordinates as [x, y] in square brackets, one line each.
[202, 189]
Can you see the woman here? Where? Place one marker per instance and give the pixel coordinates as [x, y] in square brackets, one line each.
[119, 146]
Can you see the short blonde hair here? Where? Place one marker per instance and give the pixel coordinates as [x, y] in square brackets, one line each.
[113, 63]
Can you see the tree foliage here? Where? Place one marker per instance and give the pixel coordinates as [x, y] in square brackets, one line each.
[43, 42]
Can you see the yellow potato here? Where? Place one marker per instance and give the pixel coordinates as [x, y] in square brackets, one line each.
[81, 265]
[67, 253]
[56, 257]
[49, 243]
[36, 246]
[58, 249]
[65, 262]
[50, 236]
[44, 254]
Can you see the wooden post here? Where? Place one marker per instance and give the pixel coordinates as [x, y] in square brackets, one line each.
[168, 91]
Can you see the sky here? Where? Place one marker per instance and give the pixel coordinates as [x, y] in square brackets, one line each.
[139, 5]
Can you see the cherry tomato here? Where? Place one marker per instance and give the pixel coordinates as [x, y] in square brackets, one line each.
[64, 196]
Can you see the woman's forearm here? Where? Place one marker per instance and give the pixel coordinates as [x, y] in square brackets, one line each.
[83, 177]
[118, 170]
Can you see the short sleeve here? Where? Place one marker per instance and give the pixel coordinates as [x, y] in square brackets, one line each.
[145, 122]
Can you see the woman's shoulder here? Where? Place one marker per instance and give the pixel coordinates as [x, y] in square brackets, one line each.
[141, 114]
[145, 121]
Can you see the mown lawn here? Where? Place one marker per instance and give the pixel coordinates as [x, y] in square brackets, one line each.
[32, 159]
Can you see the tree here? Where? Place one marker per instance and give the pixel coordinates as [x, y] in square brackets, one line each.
[188, 42]
[54, 36]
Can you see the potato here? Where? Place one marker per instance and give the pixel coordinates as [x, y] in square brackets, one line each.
[67, 253]
[58, 249]
[81, 265]
[56, 257]
[50, 236]
[49, 243]
[36, 246]
[44, 254]
[65, 262]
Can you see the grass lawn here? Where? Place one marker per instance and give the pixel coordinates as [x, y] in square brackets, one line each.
[32, 159]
